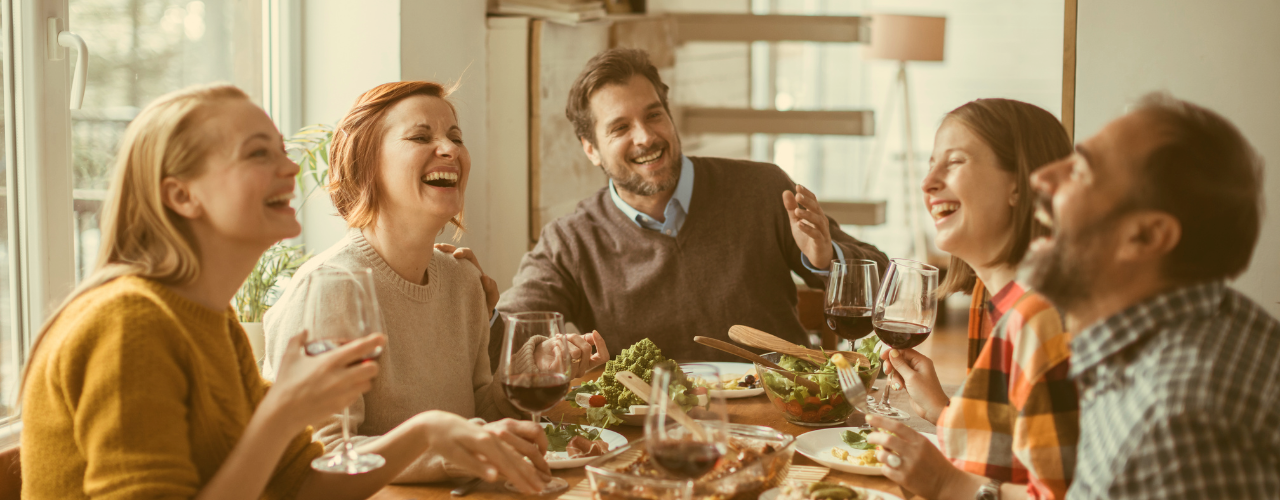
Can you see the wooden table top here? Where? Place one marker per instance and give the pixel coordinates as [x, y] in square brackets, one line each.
[755, 411]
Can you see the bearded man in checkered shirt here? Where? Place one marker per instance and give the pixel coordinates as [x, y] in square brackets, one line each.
[1178, 374]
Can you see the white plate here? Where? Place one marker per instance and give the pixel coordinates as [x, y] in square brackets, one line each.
[871, 494]
[561, 460]
[817, 446]
[728, 368]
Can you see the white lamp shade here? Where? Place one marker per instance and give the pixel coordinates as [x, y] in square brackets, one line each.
[906, 38]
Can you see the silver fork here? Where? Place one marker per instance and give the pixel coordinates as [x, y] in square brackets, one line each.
[850, 383]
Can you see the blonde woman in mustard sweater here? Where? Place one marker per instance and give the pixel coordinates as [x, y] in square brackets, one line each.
[142, 385]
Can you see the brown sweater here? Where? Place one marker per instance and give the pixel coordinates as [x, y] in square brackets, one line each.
[729, 264]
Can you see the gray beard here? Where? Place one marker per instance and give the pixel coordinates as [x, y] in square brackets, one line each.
[632, 182]
[1066, 282]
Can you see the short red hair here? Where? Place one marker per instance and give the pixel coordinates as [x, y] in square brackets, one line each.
[357, 145]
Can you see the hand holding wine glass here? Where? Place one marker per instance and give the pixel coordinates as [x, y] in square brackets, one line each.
[309, 389]
[904, 314]
[341, 307]
[536, 367]
[676, 449]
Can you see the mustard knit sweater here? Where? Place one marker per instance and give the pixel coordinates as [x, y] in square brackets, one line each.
[138, 393]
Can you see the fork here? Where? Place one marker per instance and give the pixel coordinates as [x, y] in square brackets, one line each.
[854, 391]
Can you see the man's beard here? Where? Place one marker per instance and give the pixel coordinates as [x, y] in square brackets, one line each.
[628, 180]
[1066, 273]
[1059, 273]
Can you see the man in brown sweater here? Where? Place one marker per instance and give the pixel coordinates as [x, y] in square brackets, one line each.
[674, 247]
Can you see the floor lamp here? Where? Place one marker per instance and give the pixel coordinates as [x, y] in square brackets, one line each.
[902, 39]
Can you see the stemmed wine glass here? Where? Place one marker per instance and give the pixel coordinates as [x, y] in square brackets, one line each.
[851, 294]
[904, 314]
[675, 448]
[535, 369]
[341, 306]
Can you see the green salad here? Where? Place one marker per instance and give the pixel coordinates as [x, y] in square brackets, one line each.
[858, 439]
[828, 403]
[610, 399]
[559, 435]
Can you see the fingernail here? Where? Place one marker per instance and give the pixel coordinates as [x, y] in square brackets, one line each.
[894, 353]
[897, 386]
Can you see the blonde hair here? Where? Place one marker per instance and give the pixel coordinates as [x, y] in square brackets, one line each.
[140, 235]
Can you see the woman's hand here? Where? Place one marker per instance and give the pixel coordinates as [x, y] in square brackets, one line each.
[915, 371]
[921, 468]
[487, 452]
[490, 286]
[310, 388]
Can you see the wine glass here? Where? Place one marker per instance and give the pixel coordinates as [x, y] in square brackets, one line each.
[851, 294]
[341, 306]
[904, 314]
[535, 369]
[682, 452]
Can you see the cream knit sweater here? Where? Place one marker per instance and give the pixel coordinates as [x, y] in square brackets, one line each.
[437, 347]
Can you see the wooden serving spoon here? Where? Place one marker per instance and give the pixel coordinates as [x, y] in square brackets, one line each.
[641, 389]
[751, 356]
[764, 340]
[759, 339]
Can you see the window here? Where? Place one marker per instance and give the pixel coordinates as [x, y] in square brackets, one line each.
[140, 50]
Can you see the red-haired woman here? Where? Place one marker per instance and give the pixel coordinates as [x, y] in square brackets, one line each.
[398, 176]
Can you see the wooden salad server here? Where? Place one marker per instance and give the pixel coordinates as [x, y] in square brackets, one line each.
[642, 388]
[764, 340]
[753, 357]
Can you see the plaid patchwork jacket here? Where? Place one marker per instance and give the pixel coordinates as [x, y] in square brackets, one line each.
[1015, 417]
[1181, 398]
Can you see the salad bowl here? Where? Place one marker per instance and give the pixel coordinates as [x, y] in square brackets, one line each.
[800, 405]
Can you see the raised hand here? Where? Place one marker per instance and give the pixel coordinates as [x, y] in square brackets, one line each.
[489, 284]
[311, 388]
[809, 226]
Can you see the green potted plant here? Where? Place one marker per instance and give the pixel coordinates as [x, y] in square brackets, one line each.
[309, 148]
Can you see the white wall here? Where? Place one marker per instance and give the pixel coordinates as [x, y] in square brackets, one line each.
[1222, 55]
[350, 47]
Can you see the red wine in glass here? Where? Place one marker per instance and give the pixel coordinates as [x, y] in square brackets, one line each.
[902, 335]
[685, 459]
[536, 393]
[850, 323]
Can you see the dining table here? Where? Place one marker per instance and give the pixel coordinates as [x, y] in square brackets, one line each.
[753, 410]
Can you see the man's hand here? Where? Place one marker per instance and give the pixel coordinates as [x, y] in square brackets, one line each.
[809, 226]
[490, 286]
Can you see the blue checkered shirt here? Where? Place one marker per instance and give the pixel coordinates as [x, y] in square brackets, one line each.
[1180, 398]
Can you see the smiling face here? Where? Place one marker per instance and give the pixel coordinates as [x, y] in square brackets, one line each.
[636, 142]
[244, 189]
[1083, 199]
[970, 197]
[423, 164]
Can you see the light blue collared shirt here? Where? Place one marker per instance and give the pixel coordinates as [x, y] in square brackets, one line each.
[677, 209]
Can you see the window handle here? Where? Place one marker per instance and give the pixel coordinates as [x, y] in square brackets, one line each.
[59, 38]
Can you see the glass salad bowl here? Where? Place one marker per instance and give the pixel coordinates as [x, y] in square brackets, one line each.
[801, 406]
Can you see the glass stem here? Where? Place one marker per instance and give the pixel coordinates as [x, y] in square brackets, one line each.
[688, 490]
[346, 432]
[888, 388]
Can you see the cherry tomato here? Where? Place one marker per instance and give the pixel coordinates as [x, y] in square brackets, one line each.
[597, 401]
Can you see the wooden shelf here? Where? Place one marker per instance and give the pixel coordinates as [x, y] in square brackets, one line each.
[770, 28]
[769, 121]
[855, 213]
